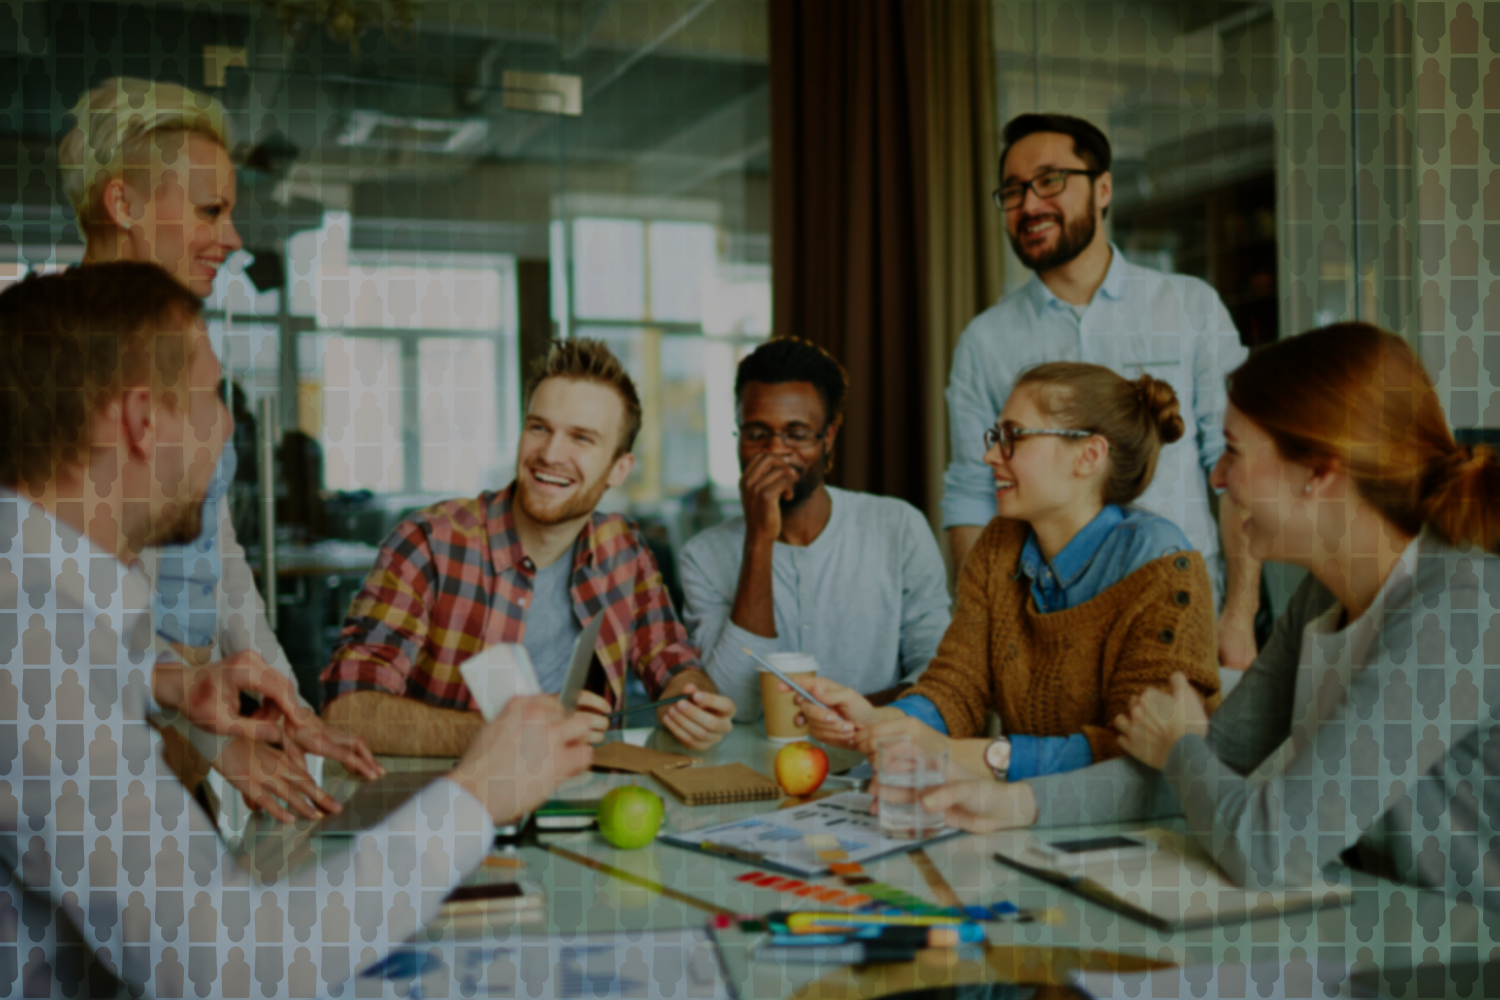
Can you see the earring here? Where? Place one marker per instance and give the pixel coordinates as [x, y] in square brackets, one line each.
[1306, 488]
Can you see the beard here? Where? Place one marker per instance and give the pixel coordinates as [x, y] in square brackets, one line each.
[807, 484]
[1074, 237]
[581, 504]
[176, 525]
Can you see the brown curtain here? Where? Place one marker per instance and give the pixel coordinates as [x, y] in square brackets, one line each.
[849, 219]
[965, 262]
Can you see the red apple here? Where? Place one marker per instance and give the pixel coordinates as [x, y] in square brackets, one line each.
[801, 768]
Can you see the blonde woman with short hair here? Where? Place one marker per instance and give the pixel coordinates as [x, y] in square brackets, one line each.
[147, 169]
[148, 172]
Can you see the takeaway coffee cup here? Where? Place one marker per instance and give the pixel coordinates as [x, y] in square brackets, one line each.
[780, 707]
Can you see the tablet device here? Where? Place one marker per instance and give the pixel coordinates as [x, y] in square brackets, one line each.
[583, 658]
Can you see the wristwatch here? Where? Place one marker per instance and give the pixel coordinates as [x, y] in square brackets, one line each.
[997, 756]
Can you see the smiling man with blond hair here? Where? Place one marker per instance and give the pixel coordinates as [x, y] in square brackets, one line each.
[532, 564]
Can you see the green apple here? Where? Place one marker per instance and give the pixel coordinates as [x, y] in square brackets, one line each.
[630, 816]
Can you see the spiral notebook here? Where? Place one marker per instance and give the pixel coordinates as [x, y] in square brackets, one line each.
[700, 786]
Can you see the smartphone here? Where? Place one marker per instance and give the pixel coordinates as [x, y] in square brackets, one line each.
[494, 896]
[857, 777]
[1091, 844]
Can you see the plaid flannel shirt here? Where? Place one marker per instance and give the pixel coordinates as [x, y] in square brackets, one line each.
[453, 580]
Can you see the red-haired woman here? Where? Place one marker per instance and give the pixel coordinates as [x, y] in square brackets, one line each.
[1354, 740]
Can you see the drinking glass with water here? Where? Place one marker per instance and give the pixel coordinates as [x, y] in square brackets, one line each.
[906, 772]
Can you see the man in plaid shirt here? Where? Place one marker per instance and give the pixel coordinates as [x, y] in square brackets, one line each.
[530, 564]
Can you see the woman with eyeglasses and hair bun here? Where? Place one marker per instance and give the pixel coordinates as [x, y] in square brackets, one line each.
[1072, 602]
[1365, 703]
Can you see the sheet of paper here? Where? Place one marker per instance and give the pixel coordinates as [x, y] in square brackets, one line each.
[780, 836]
[497, 674]
[587, 965]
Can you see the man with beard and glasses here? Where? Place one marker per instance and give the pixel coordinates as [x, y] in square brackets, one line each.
[1086, 302]
[530, 564]
[854, 579]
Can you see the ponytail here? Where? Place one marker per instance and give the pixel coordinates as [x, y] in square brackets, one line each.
[1462, 500]
[1135, 417]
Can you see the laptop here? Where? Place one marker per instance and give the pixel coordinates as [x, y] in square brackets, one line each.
[376, 799]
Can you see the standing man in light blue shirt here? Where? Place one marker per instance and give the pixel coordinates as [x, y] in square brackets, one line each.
[1086, 302]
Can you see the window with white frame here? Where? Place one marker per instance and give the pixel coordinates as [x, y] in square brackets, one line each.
[679, 313]
[409, 376]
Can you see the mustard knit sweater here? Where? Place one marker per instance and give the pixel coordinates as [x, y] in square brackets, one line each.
[1074, 670]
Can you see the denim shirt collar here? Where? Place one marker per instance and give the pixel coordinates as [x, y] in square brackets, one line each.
[1073, 561]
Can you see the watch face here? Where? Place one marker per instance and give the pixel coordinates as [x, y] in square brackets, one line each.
[997, 755]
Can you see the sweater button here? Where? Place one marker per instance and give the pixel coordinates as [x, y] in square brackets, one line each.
[1167, 635]
[1182, 562]
[1183, 598]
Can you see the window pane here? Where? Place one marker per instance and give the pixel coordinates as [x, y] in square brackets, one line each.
[684, 431]
[235, 293]
[719, 363]
[460, 450]
[250, 354]
[682, 260]
[339, 293]
[350, 400]
[609, 269]
[737, 301]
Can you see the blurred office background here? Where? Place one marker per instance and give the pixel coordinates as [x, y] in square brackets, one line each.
[432, 190]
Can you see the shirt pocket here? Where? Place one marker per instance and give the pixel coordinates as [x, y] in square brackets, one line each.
[1163, 356]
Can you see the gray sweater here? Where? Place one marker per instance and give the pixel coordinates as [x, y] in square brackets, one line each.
[868, 598]
[1393, 774]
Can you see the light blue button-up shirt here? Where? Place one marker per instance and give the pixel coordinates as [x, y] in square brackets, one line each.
[1116, 543]
[186, 601]
[1170, 326]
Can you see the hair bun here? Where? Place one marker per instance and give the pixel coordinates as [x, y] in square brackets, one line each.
[1159, 400]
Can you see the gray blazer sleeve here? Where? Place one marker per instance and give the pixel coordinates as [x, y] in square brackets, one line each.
[1398, 782]
[1253, 721]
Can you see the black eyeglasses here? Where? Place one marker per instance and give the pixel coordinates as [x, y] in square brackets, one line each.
[1048, 185]
[759, 435]
[1005, 436]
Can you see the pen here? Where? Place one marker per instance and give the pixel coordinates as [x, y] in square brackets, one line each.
[1089, 890]
[845, 954]
[641, 708]
[917, 937]
[787, 680]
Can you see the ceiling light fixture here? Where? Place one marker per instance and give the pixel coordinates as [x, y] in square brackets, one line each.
[348, 20]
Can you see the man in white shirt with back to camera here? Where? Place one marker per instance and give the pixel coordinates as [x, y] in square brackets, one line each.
[117, 373]
[1086, 302]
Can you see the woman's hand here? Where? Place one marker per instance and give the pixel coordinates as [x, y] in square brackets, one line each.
[869, 737]
[836, 728]
[313, 735]
[981, 806]
[268, 776]
[1158, 719]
